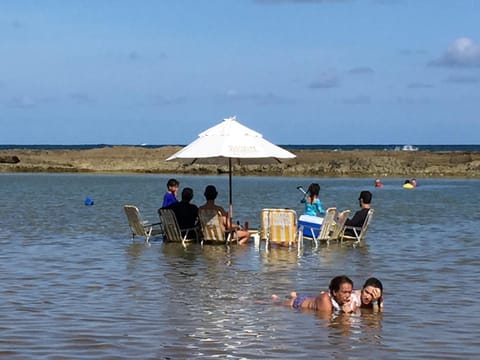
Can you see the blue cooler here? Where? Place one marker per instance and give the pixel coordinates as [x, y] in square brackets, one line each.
[310, 223]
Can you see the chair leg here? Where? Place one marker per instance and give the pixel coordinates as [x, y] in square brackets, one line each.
[184, 240]
[148, 233]
[256, 240]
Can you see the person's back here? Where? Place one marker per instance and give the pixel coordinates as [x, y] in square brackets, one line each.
[313, 205]
[210, 195]
[185, 212]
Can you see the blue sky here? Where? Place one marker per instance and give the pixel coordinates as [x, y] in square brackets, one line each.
[298, 71]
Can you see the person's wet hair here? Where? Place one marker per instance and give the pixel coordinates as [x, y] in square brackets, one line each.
[210, 192]
[366, 196]
[337, 281]
[173, 182]
[187, 194]
[373, 282]
[313, 189]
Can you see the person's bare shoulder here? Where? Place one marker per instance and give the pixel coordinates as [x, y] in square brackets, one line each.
[323, 303]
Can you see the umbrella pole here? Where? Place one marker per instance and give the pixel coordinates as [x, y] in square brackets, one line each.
[230, 206]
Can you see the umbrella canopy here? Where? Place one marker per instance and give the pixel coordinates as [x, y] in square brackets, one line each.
[229, 140]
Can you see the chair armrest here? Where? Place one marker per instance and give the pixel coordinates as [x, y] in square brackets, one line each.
[353, 227]
[146, 224]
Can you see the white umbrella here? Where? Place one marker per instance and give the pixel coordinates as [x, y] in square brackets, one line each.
[229, 140]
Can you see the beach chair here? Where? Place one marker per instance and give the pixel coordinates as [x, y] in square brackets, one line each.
[325, 231]
[264, 220]
[337, 227]
[359, 232]
[172, 231]
[281, 228]
[213, 227]
[138, 226]
[262, 233]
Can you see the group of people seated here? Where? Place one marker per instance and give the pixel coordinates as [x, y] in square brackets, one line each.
[340, 297]
[313, 207]
[187, 214]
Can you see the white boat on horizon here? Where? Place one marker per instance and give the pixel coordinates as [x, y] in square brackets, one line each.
[406, 148]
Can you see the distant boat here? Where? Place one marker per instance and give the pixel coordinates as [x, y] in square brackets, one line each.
[406, 148]
[409, 148]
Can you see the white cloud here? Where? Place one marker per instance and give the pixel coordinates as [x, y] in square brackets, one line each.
[357, 100]
[259, 99]
[462, 79]
[301, 1]
[326, 80]
[166, 101]
[361, 70]
[81, 98]
[419, 85]
[22, 102]
[463, 52]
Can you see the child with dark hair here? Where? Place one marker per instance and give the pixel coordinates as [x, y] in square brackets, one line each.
[313, 205]
[170, 196]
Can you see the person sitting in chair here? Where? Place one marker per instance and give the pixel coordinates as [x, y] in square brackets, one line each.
[185, 212]
[210, 195]
[359, 217]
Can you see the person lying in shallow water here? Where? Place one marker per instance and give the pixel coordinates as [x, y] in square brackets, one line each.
[370, 296]
[340, 297]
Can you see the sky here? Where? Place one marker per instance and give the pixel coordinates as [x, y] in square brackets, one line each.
[298, 71]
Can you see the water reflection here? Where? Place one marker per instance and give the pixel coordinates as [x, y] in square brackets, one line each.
[71, 273]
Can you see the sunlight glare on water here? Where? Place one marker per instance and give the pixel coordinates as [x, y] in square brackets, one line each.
[76, 286]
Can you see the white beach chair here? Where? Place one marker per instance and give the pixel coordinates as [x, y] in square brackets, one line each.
[138, 226]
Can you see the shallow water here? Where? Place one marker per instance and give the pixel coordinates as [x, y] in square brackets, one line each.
[75, 285]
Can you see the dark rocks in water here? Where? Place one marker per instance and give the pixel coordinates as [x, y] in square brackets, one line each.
[9, 159]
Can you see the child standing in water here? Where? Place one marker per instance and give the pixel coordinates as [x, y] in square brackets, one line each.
[313, 205]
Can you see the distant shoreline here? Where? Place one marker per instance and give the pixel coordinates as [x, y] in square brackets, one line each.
[320, 163]
[337, 147]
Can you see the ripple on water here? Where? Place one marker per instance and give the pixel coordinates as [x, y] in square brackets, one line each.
[78, 287]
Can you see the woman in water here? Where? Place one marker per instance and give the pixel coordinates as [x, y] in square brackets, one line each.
[340, 297]
[370, 296]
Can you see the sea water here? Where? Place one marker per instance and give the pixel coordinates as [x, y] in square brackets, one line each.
[75, 286]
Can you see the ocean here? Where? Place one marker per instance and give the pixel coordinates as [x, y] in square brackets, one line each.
[76, 286]
[463, 147]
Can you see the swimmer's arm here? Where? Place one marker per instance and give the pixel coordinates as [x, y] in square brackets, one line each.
[349, 307]
[379, 305]
[379, 298]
